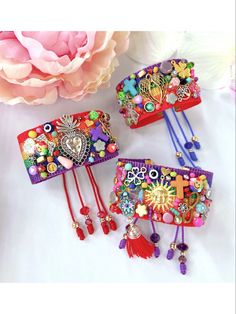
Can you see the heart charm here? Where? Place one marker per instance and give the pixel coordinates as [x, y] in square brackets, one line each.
[165, 171]
[76, 146]
[89, 123]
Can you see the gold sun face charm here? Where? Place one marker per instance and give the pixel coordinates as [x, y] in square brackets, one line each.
[159, 196]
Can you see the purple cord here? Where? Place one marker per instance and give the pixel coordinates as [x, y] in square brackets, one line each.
[188, 123]
[176, 234]
[171, 252]
[180, 127]
[177, 139]
[182, 234]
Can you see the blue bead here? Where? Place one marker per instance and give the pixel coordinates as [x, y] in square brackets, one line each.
[196, 144]
[132, 186]
[188, 145]
[193, 156]
[181, 161]
[130, 87]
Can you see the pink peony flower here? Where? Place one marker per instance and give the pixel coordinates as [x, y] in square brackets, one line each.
[37, 67]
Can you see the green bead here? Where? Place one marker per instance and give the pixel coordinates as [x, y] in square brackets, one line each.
[123, 188]
[132, 76]
[168, 78]
[194, 195]
[93, 115]
[190, 65]
[149, 107]
[28, 163]
[54, 134]
[121, 95]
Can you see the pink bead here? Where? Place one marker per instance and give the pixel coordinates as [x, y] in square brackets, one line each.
[168, 218]
[138, 99]
[39, 130]
[198, 222]
[65, 162]
[192, 175]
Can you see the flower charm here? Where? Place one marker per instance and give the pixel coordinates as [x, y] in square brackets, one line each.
[99, 145]
[171, 98]
[135, 176]
[181, 69]
[128, 207]
[175, 81]
[183, 207]
[141, 210]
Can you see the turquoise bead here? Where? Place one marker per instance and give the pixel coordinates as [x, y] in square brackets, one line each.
[128, 166]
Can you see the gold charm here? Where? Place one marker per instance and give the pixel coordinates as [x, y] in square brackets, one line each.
[153, 87]
[181, 69]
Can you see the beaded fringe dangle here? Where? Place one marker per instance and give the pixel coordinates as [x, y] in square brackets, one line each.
[106, 221]
[155, 237]
[188, 145]
[175, 141]
[75, 223]
[135, 243]
[182, 247]
[194, 138]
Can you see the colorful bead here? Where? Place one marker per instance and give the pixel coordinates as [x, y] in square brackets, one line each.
[149, 107]
[102, 154]
[111, 148]
[32, 134]
[129, 86]
[138, 99]
[128, 166]
[91, 159]
[43, 175]
[65, 162]
[93, 115]
[144, 185]
[33, 170]
[48, 127]
[51, 167]
[54, 134]
[168, 218]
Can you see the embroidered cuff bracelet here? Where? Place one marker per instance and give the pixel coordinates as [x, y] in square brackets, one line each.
[147, 95]
[144, 95]
[82, 139]
[143, 190]
[67, 143]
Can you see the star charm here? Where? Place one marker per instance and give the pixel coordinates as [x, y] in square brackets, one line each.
[99, 145]
[141, 210]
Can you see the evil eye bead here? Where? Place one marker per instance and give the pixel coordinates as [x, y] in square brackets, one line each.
[153, 174]
[48, 127]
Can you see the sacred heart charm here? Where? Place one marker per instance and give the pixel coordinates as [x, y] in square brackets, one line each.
[74, 144]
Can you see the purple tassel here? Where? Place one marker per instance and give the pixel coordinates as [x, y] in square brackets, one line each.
[170, 254]
[183, 268]
[157, 251]
[122, 244]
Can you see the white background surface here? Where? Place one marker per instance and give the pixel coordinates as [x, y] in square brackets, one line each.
[37, 243]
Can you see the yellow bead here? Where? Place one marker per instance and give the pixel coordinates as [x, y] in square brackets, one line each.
[144, 185]
[32, 134]
[155, 69]
[102, 154]
[202, 177]
[141, 73]
[173, 174]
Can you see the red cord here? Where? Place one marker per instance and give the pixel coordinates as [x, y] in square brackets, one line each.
[77, 188]
[67, 197]
[93, 182]
[79, 231]
[94, 188]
